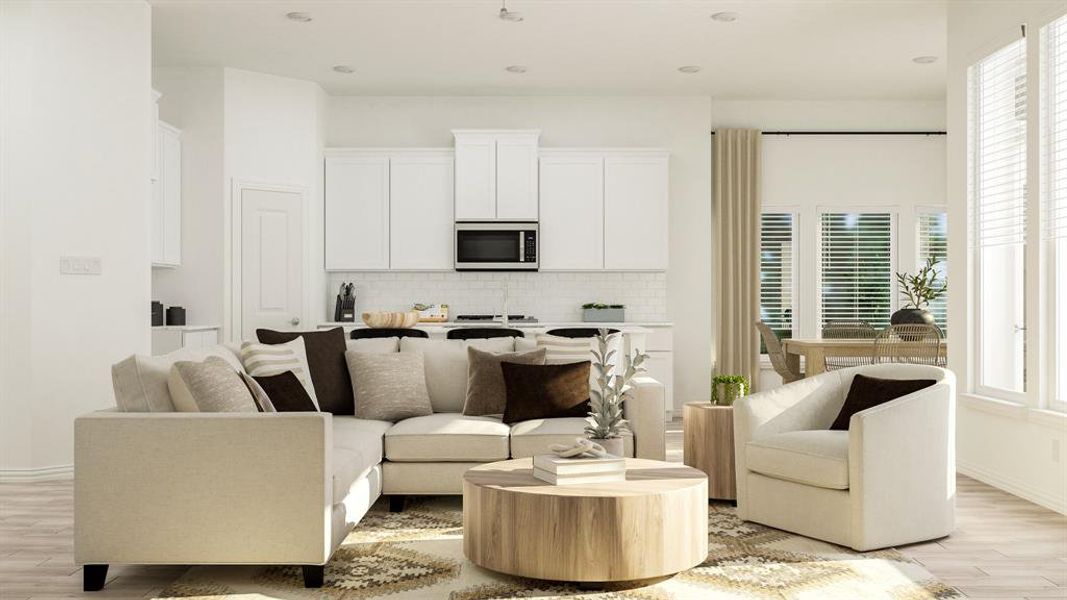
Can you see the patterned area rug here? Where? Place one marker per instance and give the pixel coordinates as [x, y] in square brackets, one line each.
[419, 554]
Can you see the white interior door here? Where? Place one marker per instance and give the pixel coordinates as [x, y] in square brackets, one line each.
[272, 259]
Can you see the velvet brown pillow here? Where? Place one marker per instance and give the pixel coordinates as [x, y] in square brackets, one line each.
[286, 393]
[545, 391]
[867, 392]
[486, 394]
[326, 361]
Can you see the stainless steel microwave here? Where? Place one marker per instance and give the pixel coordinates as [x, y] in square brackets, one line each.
[496, 246]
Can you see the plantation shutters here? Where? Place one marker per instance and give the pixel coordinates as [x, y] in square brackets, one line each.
[777, 252]
[1054, 206]
[932, 235]
[856, 267]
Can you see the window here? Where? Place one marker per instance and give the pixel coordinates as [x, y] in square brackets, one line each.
[856, 268]
[777, 252]
[997, 190]
[932, 235]
[1054, 205]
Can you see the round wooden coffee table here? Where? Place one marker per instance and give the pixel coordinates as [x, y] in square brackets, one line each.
[653, 524]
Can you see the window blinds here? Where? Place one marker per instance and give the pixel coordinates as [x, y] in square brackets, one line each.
[856, 267]
[776, 272]
[933, 243]
[1054, 202]
[998, 150]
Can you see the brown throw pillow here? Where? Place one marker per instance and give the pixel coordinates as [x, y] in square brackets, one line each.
[486, 394]
[867, 392]
[326, 360]
[286, 393]
[545, 391]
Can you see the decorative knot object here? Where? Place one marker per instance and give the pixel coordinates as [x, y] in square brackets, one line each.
[582, 448]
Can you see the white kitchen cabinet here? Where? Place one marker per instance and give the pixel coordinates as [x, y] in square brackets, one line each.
[166, 201]
[420, 211]
[170, 338]
[572, 211]
[636, 191]
[496, 175]
[357, 212]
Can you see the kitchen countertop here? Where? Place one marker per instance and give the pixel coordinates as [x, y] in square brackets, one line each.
[632, 326]
[186, 327]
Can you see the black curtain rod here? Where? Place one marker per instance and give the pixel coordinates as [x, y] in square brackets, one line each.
[851, 133]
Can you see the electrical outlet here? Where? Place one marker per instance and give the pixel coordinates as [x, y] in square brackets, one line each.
[80, 265]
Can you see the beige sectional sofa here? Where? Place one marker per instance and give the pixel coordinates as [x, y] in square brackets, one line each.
[153, 486]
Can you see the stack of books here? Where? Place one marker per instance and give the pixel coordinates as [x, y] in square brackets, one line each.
[577, 471]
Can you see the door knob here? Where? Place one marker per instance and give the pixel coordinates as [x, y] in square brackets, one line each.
[294, 321]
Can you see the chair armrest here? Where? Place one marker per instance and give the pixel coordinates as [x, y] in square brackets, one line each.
[902, 466]
[202, 488]
[645, 411]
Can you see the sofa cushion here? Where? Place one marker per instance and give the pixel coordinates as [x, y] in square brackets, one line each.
[545, 391]
[209, 386]
[357, 447]
[326, 359]
[445, 362]
[285, 392]
[140, 382]
[448, 437]
[388, 387]
[374, 345]
[265, 360]
[486, 392]
[530, 438]
[816, 458]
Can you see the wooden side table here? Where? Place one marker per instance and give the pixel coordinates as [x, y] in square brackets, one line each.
[709, 446]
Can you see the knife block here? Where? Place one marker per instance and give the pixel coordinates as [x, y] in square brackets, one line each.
[345, 309]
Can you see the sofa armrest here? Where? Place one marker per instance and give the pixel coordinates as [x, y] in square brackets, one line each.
[202, 488]
[645, 411]
[902, 467]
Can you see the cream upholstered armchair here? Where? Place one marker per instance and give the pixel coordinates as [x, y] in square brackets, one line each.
[888, 480]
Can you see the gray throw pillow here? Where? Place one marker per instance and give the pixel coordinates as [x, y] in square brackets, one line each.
[209, 386]
[486, 393]
[388, 387]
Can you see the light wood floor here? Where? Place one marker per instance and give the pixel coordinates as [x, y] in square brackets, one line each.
[1004, 547]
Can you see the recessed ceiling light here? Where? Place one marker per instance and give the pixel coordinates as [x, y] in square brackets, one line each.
[347, 70]
[924, 60]
[690, 69]
[726, 17]
[515, 68]
[300, 17]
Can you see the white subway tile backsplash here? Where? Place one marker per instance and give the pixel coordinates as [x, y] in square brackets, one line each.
[547, 296]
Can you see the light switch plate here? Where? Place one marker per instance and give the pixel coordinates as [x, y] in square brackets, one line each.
[80, 265]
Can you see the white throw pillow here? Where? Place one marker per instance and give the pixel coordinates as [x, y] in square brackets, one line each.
[140, 382]
[445, 362]
[263, 360]
[209, 386]
[561, 350]
[374, 345]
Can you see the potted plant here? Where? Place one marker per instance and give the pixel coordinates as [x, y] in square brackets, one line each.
[726, 389]
[918, 291]
[605, 421]
[595, 312]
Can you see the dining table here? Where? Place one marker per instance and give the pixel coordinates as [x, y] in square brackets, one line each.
[816, 350]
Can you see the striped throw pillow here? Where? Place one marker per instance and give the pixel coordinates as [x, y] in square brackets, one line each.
[565, 350]
[261, 360]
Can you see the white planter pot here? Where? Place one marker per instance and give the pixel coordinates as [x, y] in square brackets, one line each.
[614, 446]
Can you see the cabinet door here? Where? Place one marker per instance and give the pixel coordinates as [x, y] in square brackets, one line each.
[635, 212]
[475, 177]
[171, 178]
[420, 212]
[516, 178]
[357, 213]
[156, 212]
[572, 212]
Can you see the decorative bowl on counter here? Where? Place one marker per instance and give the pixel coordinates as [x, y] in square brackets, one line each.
[391, 320]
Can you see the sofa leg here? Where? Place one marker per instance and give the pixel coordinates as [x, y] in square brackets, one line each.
[93, 577]
[313, 575]
[396, 503]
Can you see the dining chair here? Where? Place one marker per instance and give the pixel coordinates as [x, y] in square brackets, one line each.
[848, 330]
[578, 332]
[385, 332]
[482, 333]
[918, 344]
[777, 354]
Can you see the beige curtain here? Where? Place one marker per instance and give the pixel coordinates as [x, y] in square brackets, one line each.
[737, 230]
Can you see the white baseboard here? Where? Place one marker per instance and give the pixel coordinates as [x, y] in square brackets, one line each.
[1013, 486]
[43, 474]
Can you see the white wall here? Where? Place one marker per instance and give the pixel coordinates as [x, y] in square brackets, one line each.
[74, 168]
[1014, 447]
[680, 124]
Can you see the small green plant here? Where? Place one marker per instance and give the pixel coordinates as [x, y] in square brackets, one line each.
[923, 287]
[732, 386]
[600, 306]
[605, 419]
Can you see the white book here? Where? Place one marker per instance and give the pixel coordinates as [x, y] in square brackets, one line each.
[579, 466]
[606, 477]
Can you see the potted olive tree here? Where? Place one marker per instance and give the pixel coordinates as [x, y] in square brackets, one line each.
[605, 421]
[918, 291]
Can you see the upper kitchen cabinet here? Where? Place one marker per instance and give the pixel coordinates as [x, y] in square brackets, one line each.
[357, 212]
[572, 211]
[420, 210]
[166, 200]
[636, 192]
[496, 175]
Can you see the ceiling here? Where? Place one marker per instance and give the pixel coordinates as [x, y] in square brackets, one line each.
[797, 49]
